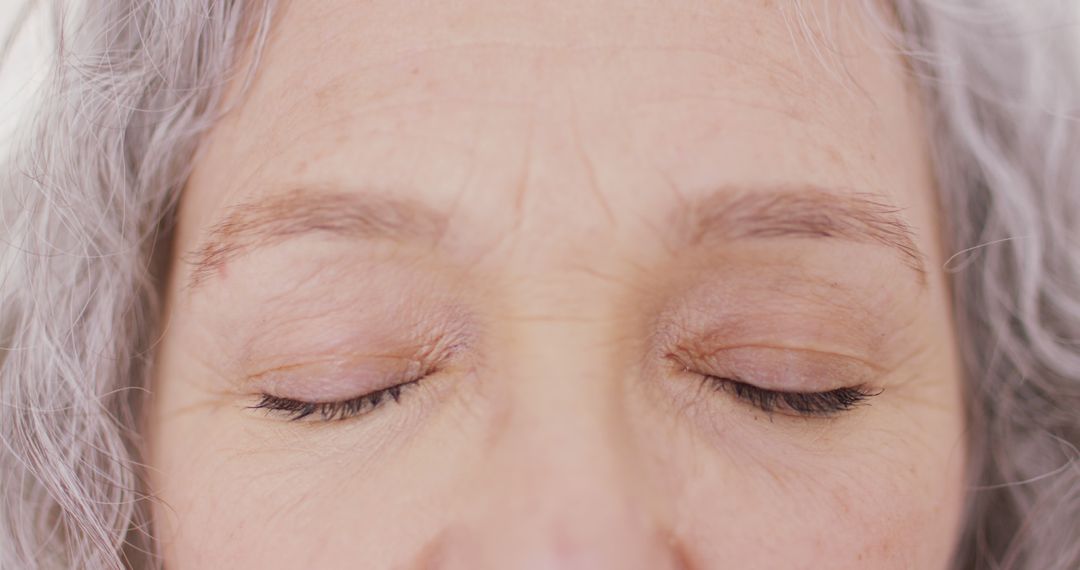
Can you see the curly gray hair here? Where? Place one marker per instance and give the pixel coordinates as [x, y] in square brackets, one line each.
[87, 204]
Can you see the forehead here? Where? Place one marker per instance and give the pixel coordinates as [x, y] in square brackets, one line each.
[564, 109]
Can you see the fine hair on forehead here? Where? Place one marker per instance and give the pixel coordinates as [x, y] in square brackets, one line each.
[89, 192]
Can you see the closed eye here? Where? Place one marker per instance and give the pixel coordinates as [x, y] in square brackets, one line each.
[826, 404]
[297, 410]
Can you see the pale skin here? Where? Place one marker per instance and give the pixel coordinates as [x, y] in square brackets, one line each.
[628, 260]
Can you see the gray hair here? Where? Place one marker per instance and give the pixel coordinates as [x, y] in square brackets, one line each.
[88, 199]
[1001, 80]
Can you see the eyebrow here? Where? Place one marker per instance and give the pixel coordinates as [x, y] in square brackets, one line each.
[724, 215]
[267, 221]
[802, 212]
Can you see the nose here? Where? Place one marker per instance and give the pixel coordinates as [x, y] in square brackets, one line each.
[537, 518]
[556, 545]
[563, 486]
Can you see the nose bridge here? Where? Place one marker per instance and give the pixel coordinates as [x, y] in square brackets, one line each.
[563, 391]
[562, 485]
[563, 444]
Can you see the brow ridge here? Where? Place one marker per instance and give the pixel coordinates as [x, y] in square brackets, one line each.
[726, 214]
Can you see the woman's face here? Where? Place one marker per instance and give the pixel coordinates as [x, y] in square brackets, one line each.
[512, 284]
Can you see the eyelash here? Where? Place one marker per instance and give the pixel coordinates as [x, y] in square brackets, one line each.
[295, 410]
[807, 404]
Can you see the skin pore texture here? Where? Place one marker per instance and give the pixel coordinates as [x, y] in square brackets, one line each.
[659, 281]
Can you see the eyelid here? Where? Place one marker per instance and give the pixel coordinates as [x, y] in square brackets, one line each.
[344, 385]
[337, 378]
[341, 375]
[778, 368]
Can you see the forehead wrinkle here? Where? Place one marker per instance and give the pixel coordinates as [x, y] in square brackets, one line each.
[811, 213]
[402, 66]
[262, 222]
